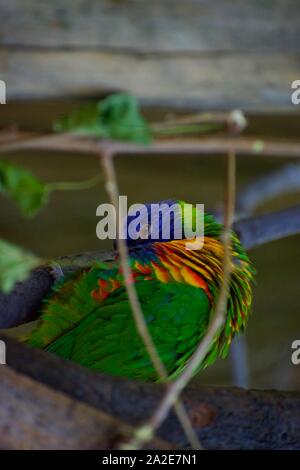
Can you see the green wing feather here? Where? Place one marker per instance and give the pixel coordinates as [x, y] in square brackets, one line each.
[64, 308]
[103, 337]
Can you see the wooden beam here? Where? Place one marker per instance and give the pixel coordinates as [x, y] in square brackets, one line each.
[253, 81]
[196, 53]
[152, 27]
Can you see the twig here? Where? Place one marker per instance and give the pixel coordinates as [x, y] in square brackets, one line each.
[69, 143]
[113, 192]
[74, 185]
[199, 118]
[217, 320]
[200, 123]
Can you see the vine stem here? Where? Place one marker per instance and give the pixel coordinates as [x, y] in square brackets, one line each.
[200, 123]
[218, 318]
[74, 185]
[178, 130]
[143, 434]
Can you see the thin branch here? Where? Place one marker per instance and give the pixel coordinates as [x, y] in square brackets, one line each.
[113, 192]
[200, 123]
[224, 118]
[69, 143]
[217, 320]
[74, 185]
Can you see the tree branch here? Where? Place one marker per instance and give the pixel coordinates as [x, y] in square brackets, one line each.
[34, 416]
[224, 418]
[197, 146]
[261, 229]
[283, 181]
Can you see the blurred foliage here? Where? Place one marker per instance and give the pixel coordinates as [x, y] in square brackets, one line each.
[15, 265]
[116, 117]
[19, 184]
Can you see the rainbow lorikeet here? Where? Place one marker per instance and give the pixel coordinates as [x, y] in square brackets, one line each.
[88, 319]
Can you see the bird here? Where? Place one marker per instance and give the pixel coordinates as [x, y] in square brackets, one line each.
[87, 317]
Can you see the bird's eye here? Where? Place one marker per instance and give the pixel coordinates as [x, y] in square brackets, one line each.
[145, 232]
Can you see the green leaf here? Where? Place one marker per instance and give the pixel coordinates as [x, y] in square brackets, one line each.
[121, 119]
[116, 117]
[22, 187]
[15, 265]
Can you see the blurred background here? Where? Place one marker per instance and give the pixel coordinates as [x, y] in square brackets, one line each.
[177, 57]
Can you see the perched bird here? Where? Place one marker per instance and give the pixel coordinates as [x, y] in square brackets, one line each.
[87, 318]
